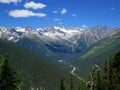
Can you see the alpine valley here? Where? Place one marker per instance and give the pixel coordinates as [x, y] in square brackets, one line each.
[57, 51]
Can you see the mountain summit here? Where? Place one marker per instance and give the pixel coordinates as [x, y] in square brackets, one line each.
[54, 40]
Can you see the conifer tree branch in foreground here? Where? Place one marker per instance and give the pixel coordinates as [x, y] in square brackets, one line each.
[8, 78]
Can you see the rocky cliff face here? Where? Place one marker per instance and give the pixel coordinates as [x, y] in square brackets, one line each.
[56, 41]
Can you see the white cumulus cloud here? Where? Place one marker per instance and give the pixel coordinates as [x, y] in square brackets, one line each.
[57, 19]
[9, 1]
[84, 27]
[60, 23]
[74, 15]
[63, 11]
[24, 13]
[55, 11]
[34, 5]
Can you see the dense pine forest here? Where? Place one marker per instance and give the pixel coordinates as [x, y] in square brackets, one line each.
[100, 78]
[106, 78]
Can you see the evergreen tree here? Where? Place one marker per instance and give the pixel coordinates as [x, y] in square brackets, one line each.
[79, 87]
[98, 81]
[105, 77]
[111, 74]
[62, 85]
[115, 66]
[8, 79]
[110, 77]
[82, 85]
[71, 86]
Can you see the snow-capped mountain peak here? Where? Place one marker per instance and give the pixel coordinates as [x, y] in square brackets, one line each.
[57, 32]
[19, 29]
[73, 38]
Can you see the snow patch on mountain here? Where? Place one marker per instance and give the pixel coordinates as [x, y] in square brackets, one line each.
[19, 29]
[59, 33]
[73, 39]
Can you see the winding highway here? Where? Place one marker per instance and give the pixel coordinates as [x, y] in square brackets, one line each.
[73, 73]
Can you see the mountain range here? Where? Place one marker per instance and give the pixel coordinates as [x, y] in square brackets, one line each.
[56, 41]
[66, 47]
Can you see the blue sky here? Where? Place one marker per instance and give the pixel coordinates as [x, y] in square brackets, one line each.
[70, 13]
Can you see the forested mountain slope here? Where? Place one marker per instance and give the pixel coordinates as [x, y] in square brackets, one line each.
[98, 53]
[36, 70]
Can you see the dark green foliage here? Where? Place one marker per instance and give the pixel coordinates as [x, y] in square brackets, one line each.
[97, 53]
[62, 84]
[105, 77]
[8, 78]
[81, 86]
[95, 80]
[115, 70]
[37, 71]
[71, 85]
[98, 81]
[108, 78]
[111, 74]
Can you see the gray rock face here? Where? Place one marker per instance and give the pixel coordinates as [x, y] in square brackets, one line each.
[56, 40]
